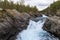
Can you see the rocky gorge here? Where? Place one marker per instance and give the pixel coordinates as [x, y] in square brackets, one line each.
[12, 22]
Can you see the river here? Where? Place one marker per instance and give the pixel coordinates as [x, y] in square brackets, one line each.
[34, 31]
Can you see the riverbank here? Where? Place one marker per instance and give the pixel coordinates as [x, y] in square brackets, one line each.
[12, 22]
[52, 25]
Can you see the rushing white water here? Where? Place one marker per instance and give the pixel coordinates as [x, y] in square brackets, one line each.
[34, 31]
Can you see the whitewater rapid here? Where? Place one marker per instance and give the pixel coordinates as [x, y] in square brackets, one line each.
[34, 31]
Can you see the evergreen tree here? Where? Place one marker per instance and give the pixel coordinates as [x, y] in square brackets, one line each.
[20, 7]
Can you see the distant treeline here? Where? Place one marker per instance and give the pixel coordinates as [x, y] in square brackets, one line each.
[53, 9]
[21, 8]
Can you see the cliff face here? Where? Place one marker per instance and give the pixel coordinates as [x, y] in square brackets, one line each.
[12, 22]
[52, 25]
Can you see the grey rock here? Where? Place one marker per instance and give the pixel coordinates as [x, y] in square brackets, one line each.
[52, 25]
[12, 22]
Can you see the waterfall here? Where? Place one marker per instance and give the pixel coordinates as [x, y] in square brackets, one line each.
[34, 31]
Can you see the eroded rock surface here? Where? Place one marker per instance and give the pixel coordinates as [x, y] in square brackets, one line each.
[52, 25]
[12, 22]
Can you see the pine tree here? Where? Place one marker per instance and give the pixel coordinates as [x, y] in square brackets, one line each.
[21, 2]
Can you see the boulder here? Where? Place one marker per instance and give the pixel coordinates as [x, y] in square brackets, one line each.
[52, 25]
[12, 22]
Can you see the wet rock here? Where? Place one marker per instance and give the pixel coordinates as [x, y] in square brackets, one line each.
[52, 25]
[12, 22]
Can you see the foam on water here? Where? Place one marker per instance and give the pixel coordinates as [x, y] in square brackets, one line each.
[34, 31]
